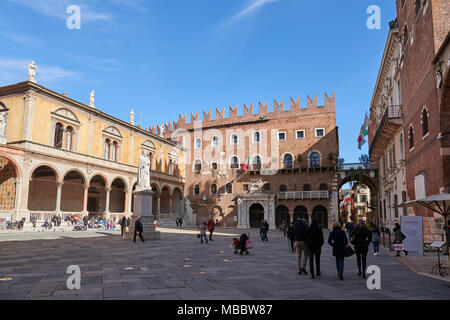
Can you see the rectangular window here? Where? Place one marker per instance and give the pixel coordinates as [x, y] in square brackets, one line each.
[320, 132]
[281, 136]
[403, 201]
[245, 187]
[266, 187]
[300, 134]
[214, 165]
[419, 186]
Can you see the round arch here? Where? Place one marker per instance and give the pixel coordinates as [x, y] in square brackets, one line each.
[320, 213]
[256, 214]
[165, 199]
[216, 213]
[8, 178]
[42, 188]
[117, 195]
[99, 174]
[96, 205]
[300, 212]
[72, 191]
[19, 173]
[80, 172]
[281, 214]
[177, 198]
[52, 167]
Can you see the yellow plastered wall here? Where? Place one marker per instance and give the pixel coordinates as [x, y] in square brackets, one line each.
[15, 104]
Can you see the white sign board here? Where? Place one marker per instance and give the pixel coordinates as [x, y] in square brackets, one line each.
[411, 227]
[437, 244]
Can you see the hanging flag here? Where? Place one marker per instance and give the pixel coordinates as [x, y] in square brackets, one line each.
[244, 166]
[364, 131]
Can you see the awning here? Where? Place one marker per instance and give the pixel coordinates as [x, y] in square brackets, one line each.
[439, 203]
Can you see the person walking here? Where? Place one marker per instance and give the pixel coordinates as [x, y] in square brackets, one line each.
[123, 225]
[177, 221]
[375, 240]
[338, 240]
[291, 236]
[350, 227]
[361, 238]
[138, 229]
[211, 225]
[301, 246]
[266, 230]
[398, 239]
[180, 221]
[203, 233]
[315, 243]
[261, 229]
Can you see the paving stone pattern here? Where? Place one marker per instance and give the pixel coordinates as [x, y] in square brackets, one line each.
[179, 267]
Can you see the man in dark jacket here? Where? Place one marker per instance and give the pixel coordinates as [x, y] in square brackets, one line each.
[290, 235]
[301, 236]
[315, 243]
[138, 229]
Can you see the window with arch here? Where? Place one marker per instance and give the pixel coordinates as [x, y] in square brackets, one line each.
[287, 160]
[257, 162]
[256, 137]
[314, 159]
[323, 187]
[405, 36]
[214, 188]
[198, 165]
[69, 136]
[283, 188]
[107, 148]
[59, 131]
[214, 165]
[424, 122]
[198, 143]
[411, 137]
[234, 162]
[307, 187]
[229, 188]
[215, 141]
[234, 139]
[197, 189]
[115, 151]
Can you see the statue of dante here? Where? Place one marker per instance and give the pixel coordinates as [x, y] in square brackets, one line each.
[32, 71]
[144, 172]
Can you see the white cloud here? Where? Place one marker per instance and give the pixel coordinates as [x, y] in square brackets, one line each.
[250, 9]
[16, 70]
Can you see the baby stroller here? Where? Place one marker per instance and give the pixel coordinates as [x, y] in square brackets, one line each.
[242, 244]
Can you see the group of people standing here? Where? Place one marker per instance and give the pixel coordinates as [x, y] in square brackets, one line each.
[206, 226]
[307, 241]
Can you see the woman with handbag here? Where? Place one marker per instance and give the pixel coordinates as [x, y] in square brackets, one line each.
[338, 240]
[361, 238]
[399, 237]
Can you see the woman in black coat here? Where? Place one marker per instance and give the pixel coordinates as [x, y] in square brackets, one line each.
[362, 237]
[315, 243]
[338, 240]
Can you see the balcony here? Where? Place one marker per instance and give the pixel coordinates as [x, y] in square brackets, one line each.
[301, 195]
[390, 123]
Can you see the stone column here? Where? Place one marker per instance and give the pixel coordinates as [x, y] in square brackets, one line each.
[29, 99]
[85, 199]
[58, 196]
[107, 213]
[159, 203]
[17, 201]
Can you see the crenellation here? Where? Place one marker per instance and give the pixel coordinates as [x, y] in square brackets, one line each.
[278, 111]
[207, 116]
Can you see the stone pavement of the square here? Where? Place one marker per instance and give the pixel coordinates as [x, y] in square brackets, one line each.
[179, 267]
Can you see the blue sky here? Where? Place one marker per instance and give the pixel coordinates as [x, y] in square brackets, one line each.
[170, 57]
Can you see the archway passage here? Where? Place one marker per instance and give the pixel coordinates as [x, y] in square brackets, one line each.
[117, 196]
[177, 199]
[300, 212]
[165, 200]
[97, 196]
[72, 192]
[216, 213]
[42, 190]
[320, 214]
[281, 214]
[8, 176]
[256, 214]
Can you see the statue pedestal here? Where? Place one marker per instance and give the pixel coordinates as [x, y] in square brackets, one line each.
[143, 208]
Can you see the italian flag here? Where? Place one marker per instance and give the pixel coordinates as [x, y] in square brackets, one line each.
[363, 132]
[244, 166]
